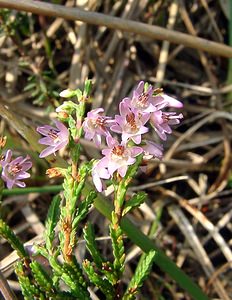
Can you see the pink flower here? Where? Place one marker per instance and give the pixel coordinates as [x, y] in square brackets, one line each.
[150, 100]
[13, 171]
[161, 101]
[152, 149]
[118, 157]
[95, 125]
[141, 101]
[130, 124]
[99, 172]
[55, 138]
[161, 122]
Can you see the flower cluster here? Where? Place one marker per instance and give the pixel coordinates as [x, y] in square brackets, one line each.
[13, 171]
[145, 106]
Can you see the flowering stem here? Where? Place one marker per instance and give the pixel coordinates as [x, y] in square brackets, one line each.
[67, 249]
[146, 244]
[74, 170]
[72, 192]
[72, 186]
[116, 233]
[66, 221]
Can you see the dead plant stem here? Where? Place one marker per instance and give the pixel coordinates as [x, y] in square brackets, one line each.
[151, 31]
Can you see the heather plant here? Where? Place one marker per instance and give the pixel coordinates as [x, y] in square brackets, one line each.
[51, 270]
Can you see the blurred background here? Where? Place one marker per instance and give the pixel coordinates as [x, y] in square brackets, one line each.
[188, 209]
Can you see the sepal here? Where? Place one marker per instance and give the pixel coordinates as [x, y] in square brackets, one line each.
[68, 93]
[87, 88]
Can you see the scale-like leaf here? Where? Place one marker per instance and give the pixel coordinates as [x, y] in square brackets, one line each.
[133, 202]
[91, 245]
[141, 273]
[102, 283]
[51, 222]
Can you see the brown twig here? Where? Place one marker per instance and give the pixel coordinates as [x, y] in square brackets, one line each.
[193, 240]
[151, 31]
[5, 289]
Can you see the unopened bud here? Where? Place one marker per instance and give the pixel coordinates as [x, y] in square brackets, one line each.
[62, 115]
[54, 172]
[3, 141]
[67, 93]
[67, 107]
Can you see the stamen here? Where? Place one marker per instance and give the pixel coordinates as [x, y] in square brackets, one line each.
[15, 169]
[118, 150]
[53, 134]
[165, 117]
[99, 122]
[143, 100]
[130, 118]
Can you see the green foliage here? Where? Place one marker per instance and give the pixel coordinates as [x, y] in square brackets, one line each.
[51, 222]
[77, 270]
[83, 208]
[116, 235]
[141, 273]
[133, 202]
[124, 183]
[12, 24]
[91, 245]
[87, 88]
[75, 280]
[12, 239]
[78, 186]
[103, 267]
[29, 289]
[42, 278]
[102, 283]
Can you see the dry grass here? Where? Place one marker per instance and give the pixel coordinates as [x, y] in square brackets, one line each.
[188, 211]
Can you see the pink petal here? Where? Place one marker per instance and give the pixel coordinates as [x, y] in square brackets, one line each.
[47, 151]
[122, 171]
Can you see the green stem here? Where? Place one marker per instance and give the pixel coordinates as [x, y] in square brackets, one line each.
[43, 189]
[141, 240]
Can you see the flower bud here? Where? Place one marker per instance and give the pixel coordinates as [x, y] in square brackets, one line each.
[67, 93]
[55, 172]
[63, 116]
[3, 142]
[67, 106]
